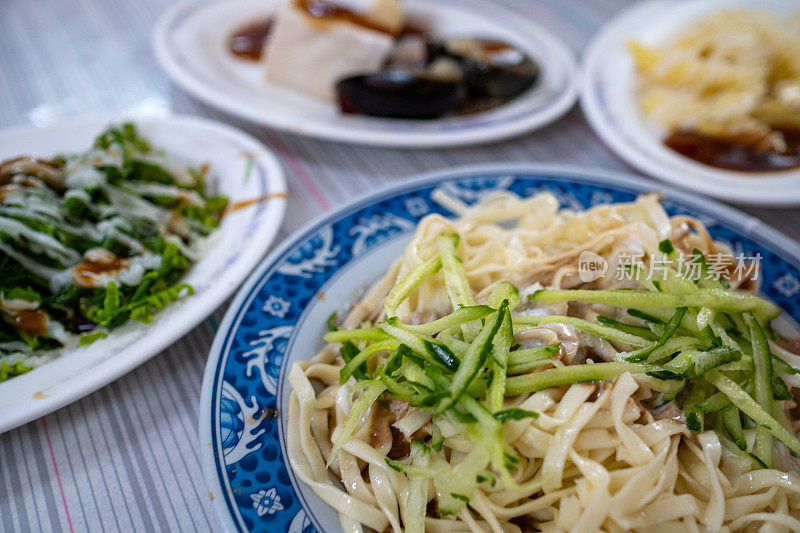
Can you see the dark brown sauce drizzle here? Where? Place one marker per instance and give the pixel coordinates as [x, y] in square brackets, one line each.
[32, 322]
[22, 164]
[248, 41]
[6, 191]
[493, 47]
[87, 273]
[413, 28]
[332, 12]
[235, 206]
[727, 154]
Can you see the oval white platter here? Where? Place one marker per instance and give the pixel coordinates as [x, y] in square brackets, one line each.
[190, 43]
[609, 101]
[240, 167]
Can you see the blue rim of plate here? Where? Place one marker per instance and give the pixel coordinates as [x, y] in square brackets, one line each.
[243, 451]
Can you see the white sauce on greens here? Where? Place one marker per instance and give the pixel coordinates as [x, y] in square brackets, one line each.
[65, 229]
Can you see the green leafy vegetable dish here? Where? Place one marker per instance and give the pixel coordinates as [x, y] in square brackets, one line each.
[93, 240]
[530, 368]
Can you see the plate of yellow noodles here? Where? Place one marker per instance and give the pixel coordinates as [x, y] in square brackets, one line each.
[511, 348]
[704, 94]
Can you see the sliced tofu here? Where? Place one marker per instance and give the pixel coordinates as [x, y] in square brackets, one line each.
[311, 54]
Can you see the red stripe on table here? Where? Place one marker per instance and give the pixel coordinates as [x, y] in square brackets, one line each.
[58, 477]
[297, 169]
[577, 120]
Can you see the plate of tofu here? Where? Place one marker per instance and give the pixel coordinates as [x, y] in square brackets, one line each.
[411, 73]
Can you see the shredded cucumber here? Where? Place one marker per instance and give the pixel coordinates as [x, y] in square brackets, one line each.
[503, 290]
[367, 334]
[639, 331]
[716, 299]
[714, 403]
[695, 418]
[458, 317]
[669, 331]
[692, 363]
[569, 375]
[474, 358]
[734, 448]
[599, 330]
[501, 345]
[429, 348]
[417, 494]
[455, 277]
[363, 356]
[732, 421]
[762, 363]
[747, 405]
[410, 283]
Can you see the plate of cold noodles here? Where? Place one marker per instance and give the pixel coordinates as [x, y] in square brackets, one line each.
[111, 245]
[512, 349]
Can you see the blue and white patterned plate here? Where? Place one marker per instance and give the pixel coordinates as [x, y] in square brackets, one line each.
[279, 317]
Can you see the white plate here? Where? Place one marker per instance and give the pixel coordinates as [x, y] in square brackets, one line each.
[234, 249]
[190, 43]
[609, 102]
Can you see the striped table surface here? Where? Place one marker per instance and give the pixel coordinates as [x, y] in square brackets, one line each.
[126, 457]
